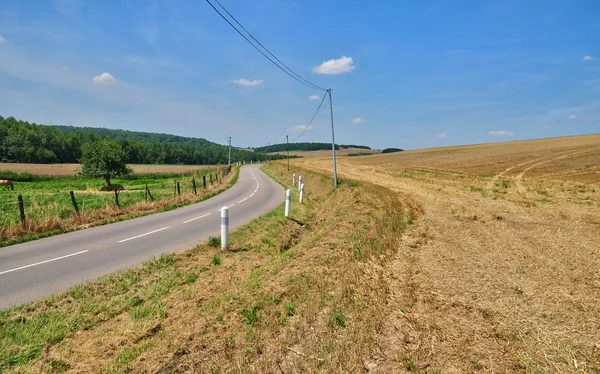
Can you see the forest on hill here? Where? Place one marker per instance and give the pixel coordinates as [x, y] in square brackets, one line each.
[305, 147]
[21, 141]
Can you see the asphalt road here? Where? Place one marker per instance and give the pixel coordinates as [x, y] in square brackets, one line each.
[32, 270]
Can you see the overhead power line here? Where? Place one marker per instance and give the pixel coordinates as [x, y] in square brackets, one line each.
[283, 67]
[312, 119]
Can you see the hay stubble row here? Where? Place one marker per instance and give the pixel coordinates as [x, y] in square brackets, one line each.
[501, 272]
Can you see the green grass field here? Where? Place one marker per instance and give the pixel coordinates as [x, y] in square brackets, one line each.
[49, 197]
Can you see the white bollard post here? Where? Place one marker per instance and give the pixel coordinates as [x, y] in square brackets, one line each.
[224, 228]
[299, 182]
[288, 197]
[301, 192]
[294, 180]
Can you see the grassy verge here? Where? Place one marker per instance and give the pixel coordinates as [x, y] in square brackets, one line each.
[54, 225]
[292, 295]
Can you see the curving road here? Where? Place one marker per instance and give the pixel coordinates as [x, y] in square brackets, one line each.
[32, 270]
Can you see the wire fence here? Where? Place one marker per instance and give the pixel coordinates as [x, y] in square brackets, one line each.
[34, 205]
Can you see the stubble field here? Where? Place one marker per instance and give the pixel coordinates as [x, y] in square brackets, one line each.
[327, 152]
[501, 270]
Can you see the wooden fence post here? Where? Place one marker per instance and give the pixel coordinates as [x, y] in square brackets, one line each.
[194, 185]
[148, 193]
[211, 179]
[146, 196]
[74, 202]
[204, 181]
[21, 210]
[117, 198]
[178, 190]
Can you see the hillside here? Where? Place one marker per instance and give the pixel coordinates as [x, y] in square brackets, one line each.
[25, 142]
[499, 273]
[273, 148]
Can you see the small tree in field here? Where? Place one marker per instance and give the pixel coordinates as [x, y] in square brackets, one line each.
[103, 159]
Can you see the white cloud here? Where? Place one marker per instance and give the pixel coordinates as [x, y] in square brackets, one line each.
[442, 135]
[302, 128]
[65, 67]
[335, 66]
[3, 39]
[246, 82]
[314, 97]
[358, 121]
[572, 117]
[104, 78]
[588, 58]
[500, 133]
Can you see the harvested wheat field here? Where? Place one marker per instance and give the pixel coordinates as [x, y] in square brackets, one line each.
[71, 169]
[501, 270]
[327, 152]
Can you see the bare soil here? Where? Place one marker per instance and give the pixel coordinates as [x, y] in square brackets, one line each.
[501, 271]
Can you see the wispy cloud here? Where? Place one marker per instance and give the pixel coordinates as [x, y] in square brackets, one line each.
[500, 133]
[314, 97]
[104, 78]
[246, 83]
[3, 39]
[572, 117]
[588, 58]
[358, 121]
[302, 128]
[335, 66]
[442, 135]
[448, 108]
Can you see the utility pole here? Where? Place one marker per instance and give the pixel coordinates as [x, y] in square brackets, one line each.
[287, 148]
[268, 145]
[229, 162]
[332, 140]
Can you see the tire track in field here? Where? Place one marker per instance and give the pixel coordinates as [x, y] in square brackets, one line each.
[519, 179]
[491, 184]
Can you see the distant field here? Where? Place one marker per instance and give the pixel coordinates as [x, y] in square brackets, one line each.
[327, 153]
[500, 271]
[70, 169]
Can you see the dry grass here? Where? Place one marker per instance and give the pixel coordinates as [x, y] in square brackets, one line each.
[501, 272]
[302, 295]
[71, 169]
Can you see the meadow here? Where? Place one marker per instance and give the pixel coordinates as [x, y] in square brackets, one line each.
[47, 202]
[480, 258]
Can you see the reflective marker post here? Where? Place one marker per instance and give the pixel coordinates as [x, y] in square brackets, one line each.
[301, 192]
[224, 228]
[299, 182]
[294, 180]
[288, 197]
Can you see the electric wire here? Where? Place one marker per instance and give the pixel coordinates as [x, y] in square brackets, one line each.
[267, 50]
[297, 77]
[312, 119]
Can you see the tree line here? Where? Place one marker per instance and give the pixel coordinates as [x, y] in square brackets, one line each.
[305, 147]
[21, 141]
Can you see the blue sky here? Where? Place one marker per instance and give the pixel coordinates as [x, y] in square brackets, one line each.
[404, 74]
